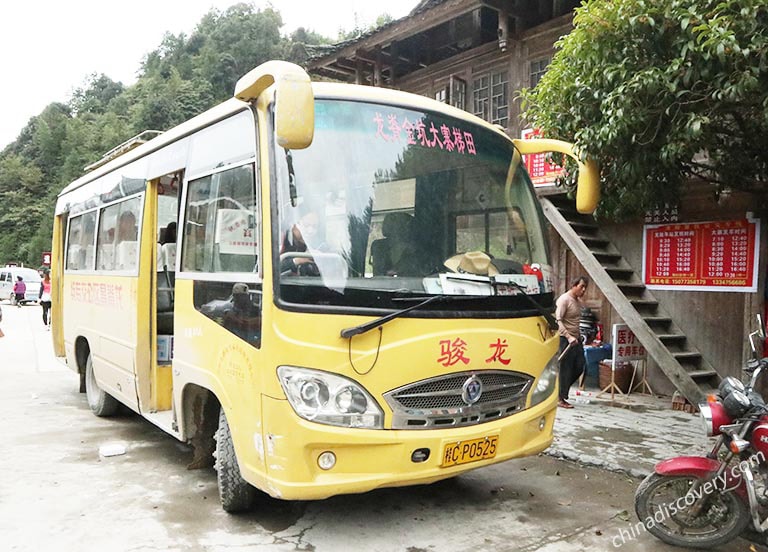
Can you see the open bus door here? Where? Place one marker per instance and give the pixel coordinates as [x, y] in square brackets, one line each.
[57, 269]
[155, 383]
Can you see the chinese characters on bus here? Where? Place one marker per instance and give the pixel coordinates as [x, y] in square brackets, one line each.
[700, 256]
[105, 295]
[424, 133]
[455, 351]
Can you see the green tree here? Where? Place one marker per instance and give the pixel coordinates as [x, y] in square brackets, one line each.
[360, 29]
[661, 92]
[181, 78]
[96, 94]
[22, 195]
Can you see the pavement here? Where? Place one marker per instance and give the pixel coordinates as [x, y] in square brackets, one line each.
[62, 492]
[629, 434]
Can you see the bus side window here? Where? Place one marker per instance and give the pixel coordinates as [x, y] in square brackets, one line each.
[74, 260]
[80, 242]
[221, 227]
[117, 246]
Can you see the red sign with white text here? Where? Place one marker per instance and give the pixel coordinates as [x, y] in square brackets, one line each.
[540, 170]
[702, 256]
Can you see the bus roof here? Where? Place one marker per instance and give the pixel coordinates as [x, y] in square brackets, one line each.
[214, 114]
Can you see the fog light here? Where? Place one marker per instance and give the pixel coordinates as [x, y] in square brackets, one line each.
[326, 460]
[420, 455]
[542, 423]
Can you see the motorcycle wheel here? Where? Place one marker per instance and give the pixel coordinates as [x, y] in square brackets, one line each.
[662, 499]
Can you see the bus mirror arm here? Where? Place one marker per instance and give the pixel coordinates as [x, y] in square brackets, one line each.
[588, 182]
[294, 100]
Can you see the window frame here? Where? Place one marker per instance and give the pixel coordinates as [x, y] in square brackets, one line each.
[490, 97]
[248, 277]
[141, 196]
[537, 68]
[91, 268]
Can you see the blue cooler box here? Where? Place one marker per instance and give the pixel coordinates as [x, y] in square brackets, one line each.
[593, 356]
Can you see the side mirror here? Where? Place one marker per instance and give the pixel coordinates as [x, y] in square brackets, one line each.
[294, 100]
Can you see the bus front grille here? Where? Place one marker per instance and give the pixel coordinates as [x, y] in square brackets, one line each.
[461, 399]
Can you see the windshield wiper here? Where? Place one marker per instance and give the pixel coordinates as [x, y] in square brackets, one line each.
[373, 324]
[551, 322]
[362, 328]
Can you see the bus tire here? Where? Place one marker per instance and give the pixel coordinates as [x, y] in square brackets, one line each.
[235, 493]
[102, 403]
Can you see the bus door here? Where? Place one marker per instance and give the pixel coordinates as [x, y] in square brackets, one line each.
[57, 272]
[156, 390]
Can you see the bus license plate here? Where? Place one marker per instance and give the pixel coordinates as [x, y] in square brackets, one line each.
[465, 452]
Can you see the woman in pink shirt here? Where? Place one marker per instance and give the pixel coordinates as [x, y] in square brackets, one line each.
[45, 299]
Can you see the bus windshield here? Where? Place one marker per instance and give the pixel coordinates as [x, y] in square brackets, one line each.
[389, 202]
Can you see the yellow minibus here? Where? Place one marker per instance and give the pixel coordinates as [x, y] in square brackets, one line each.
[323, 288]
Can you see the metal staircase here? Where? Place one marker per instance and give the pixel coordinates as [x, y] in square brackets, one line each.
[685, 367]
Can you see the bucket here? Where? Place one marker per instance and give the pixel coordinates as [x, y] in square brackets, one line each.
[622, 377]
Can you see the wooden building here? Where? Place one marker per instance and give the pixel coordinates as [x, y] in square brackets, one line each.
[477, 55]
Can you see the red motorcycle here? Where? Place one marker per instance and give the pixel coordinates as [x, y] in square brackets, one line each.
[706, 501]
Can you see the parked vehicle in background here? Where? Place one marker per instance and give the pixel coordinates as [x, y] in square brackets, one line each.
[31, 278]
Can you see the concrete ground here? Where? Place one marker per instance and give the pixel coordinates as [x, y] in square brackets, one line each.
[629, 434]
[59, 494]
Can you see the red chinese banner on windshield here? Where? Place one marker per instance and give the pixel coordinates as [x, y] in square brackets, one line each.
[702, 256]
[541, 171]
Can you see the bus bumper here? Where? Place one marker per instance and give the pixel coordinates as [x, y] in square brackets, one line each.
[371, 459]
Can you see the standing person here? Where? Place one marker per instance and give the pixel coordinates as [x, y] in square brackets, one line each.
[19, 290]
[567, 313]
[45, 299]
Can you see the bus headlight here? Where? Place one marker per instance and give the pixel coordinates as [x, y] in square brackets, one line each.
[546, 383]
[329, 399]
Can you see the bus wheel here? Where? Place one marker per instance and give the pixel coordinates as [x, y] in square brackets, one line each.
[235, 494]
[102, 403]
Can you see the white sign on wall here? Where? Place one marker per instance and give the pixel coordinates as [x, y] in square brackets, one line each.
[626, 346]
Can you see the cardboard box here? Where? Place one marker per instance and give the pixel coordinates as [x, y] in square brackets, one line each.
[164, 348]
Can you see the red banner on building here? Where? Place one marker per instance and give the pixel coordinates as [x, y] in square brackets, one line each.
[702, 256]
[541, 171]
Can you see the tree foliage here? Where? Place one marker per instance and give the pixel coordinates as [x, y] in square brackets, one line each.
[661, 92]
[182, 77]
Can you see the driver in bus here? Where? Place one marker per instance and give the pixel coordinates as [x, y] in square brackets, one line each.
[295, 241]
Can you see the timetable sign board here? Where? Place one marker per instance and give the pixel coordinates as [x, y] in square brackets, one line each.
[702, 256]
[539, 168]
